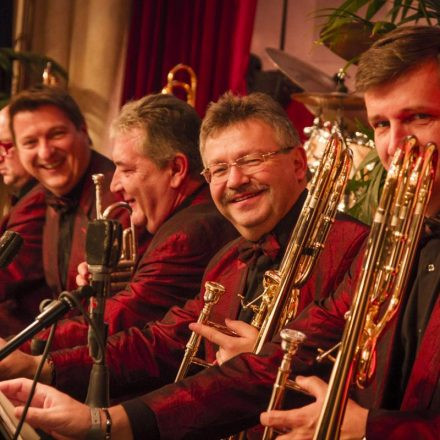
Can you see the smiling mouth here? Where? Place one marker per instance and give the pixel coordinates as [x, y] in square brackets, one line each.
[246, 196]
[52, 165]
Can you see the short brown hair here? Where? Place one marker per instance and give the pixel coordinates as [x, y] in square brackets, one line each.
[170, 125]
[41, 95]
[231, 109]
[398, 52]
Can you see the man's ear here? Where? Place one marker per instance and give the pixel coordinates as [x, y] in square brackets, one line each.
[300, 161]
[179, 168]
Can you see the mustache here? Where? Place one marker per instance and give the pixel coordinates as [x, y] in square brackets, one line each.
[231, 194]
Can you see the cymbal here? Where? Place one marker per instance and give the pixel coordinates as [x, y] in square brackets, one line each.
[330, 101]
[308, 77]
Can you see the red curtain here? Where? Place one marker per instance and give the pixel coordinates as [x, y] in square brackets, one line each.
[211, 36]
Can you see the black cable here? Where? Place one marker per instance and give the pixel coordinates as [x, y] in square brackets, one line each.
[100, 341]
[35, 380]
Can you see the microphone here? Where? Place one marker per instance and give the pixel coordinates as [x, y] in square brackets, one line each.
[103, 249]
[10, 244]
[55, 310]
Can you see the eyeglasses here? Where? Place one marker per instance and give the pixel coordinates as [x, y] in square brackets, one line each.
[5, 147]
[249, 164]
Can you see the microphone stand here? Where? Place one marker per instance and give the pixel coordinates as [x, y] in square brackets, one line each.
[103, 247]
[55, 310]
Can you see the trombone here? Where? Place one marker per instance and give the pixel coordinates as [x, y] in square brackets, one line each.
[390, 251]
[189, 87]
[281, 288]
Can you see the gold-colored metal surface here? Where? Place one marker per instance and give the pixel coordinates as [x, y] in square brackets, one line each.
[331, 101]
[386, 266]
[291, 340]
[188, 85]
[213, 292]
[280, 297]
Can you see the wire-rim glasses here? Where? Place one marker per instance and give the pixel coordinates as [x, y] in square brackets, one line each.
[251, 163]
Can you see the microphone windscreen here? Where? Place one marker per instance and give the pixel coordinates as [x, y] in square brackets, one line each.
[10, 244]
[103, 242]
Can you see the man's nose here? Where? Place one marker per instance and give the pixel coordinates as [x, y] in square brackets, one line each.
[115, 184]
[236, 177]
[45, 150]
[397, 135]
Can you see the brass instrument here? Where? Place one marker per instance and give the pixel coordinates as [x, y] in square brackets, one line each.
[291, 339]
[279, 301]
[386, 266]
[124, 269]
[213, 292]
[189, 87]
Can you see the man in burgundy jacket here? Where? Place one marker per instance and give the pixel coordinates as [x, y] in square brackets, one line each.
[161, 181]
[400, 78]
[22, 282]
[257, 176]
[51, 137]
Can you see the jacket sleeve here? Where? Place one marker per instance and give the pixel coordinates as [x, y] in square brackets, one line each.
[169, 273]
[138, 359]
[22, 282]
[225, 399]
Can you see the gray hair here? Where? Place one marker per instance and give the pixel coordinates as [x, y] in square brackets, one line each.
[170, 125]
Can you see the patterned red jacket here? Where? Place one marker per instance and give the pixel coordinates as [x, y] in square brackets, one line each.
[85, 211]
[22, 283]
[241, 387]
[152, 355]
[168, 273]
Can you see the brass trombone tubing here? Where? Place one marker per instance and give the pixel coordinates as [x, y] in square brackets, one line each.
[295, 267]
[350, 354]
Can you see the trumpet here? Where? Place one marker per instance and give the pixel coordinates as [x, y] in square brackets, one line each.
[290, 342]
[213, 292]
[124, 269]
[189, 87]
[388, 257]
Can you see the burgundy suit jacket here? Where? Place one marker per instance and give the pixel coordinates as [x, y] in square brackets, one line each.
[22, 283]
[85, 211]
[169, 272]
[241, 387]
[152, 354]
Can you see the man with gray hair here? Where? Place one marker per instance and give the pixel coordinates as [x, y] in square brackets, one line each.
[155, 150]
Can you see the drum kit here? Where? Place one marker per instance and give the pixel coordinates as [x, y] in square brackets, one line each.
[333, 106]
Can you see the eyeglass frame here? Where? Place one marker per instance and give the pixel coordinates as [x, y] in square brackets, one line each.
[264, 156]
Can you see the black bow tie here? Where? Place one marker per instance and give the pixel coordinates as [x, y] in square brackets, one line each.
[249, 251]
[61, 204]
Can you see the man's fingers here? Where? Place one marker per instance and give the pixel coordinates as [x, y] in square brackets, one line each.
[278, 419]
[313, 385]
[211, 334]
[241, 328]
